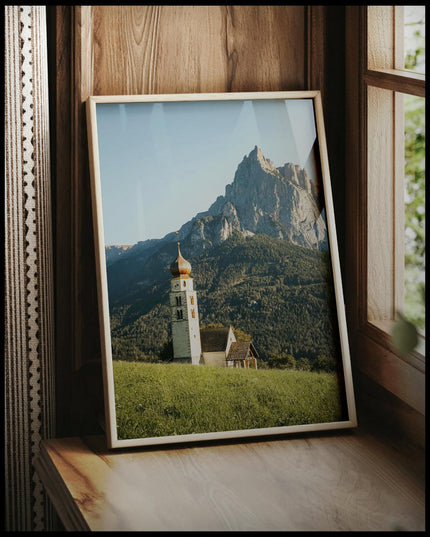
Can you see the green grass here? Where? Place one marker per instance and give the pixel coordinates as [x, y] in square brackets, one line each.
[170, 399]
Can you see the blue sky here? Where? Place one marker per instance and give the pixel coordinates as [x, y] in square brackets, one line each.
[162, 163]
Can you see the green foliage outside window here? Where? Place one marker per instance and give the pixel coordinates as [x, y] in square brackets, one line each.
[414, 309]
[415, 210]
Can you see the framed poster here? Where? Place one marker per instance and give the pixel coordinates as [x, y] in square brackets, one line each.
[220, 296]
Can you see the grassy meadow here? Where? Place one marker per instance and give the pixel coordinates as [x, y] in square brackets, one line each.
[171, 399]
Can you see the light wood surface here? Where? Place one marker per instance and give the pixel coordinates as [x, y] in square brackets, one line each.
[195, 49]
[380, 272]
[348, 481]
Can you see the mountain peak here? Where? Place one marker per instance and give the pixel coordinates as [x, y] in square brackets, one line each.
[257, 152]
[256, 158]
[280, 202]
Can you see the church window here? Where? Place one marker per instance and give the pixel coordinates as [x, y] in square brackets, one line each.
[178, 301]
[179, 314]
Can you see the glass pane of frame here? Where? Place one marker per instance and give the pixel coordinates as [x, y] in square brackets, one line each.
[221, 307]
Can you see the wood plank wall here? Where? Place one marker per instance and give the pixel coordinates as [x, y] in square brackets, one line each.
[107, 50]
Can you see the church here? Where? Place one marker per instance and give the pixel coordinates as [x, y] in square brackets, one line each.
[201, 346]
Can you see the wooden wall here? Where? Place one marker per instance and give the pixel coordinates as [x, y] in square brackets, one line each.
[108, 50]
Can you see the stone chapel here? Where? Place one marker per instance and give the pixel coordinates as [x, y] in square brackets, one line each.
[195, 345]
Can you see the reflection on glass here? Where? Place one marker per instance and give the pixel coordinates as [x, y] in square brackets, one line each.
[415, 210]
[414, 38]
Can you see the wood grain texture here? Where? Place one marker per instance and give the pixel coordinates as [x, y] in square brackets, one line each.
[59, 29]
[86, 343]
[316, 52]
[333, 483]
[380, 204]
[387, 416]
[396, 375]
[380, 37]
[332, 19]
[355, 175]
[196, 49]
[398, 224]
[395, 80]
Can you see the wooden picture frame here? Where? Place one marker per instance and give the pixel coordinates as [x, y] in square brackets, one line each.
[180, 363]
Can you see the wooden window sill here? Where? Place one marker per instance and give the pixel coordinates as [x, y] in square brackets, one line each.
[347, 481]
[403, 376]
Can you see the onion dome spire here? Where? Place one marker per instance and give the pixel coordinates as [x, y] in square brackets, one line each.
[180, 265]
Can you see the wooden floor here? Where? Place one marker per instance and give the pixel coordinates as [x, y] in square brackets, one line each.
[348, 481]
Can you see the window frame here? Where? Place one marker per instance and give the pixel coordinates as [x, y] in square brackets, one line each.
[368, 71]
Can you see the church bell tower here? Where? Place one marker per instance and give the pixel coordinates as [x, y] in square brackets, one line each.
[184, 313]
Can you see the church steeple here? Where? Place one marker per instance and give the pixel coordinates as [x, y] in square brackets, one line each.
[184, 313]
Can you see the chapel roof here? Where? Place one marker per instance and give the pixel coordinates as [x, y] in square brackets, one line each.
[240, 350]
[214, 339]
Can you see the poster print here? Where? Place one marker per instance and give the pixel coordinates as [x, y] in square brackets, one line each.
[221, 308]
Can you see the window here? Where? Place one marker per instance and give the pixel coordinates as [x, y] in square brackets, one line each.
[179, 314]
[395, 117]
[193, 314]
[192, 300]
[178, 301]
[385, 216]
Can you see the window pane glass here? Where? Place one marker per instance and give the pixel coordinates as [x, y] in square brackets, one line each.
[414, 38]
[414, 308]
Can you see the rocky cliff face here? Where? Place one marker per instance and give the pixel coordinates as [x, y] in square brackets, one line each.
[280, 202]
